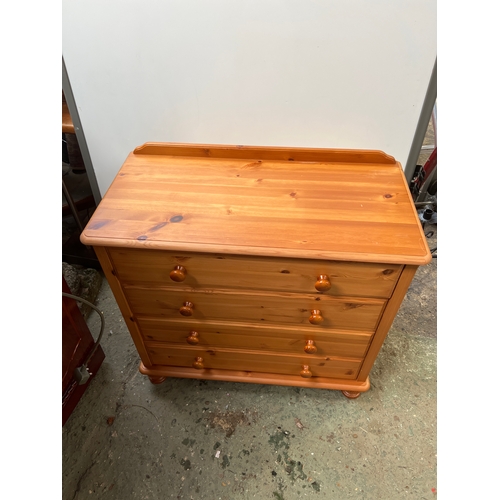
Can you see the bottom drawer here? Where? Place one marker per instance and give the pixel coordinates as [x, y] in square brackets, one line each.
[231, 359]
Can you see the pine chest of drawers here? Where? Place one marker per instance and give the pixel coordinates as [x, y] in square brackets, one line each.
[258, 264]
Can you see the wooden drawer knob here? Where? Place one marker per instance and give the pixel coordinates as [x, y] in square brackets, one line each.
[323, 283]
[198, 363]
[305, 372]
[178, 273]
[187, 309]
[315, 318]
[310, 348]
[193, 338]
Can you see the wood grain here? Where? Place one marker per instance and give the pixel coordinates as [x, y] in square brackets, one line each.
[264, 152]
[247, 336]
[235, 359]
[220, 258]
[273, 308]
[127, 314]
[256, 378]
[386, 322]
[337, 210]
[154, 267]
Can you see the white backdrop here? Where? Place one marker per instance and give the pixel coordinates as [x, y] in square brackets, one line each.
[315, 73]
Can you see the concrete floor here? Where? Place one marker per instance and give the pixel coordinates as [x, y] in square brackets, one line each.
[130, 439]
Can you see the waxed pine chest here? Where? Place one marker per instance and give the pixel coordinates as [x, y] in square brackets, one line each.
[267, 265]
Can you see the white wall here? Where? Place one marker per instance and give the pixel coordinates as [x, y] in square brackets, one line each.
[317, 73]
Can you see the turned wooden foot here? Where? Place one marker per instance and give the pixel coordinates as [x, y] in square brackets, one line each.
[156, 380]
[350, 394]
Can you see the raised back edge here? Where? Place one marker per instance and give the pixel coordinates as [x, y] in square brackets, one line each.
[265, 153]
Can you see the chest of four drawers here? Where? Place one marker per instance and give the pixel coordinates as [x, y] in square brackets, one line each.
[269, 315]
[208, 290]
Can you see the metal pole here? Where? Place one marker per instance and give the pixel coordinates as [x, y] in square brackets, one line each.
[422, 125]
[427, 183]
[72, 206]
[80, 136]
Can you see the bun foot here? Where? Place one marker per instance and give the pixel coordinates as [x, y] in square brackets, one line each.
[157, 380]
[350, 394]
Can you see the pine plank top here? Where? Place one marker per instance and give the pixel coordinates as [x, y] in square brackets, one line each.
[244, 200]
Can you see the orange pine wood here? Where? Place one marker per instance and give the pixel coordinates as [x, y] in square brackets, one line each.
[310, 347]
[198, 363]
[331, 383]
[339, 210]
[316, 318]
[251, 336]
[323, 284]
[264, 153]
[351, 394]
[178, 274]
[258, 264]
[193, 338]
[187, 309]
[386, 321]
[351, 279]
[127, 313]
[256, 361]
[264, 308]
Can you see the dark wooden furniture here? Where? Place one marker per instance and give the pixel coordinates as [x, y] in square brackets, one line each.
[77, 343]
[73, 251]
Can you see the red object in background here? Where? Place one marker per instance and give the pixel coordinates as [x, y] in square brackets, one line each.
[77, 342]
[422, 174]
[430, 164]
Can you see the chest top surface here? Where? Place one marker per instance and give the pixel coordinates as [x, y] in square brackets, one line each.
[288, 202]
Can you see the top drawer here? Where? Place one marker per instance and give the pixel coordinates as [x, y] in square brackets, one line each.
[154, 267]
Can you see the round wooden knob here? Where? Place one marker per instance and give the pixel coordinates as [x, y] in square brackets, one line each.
[305, 372]
[310, 348]
[198, 363]
[315, 318]
[193, 338]
[178, 273]
[323, 283]
[187, 309]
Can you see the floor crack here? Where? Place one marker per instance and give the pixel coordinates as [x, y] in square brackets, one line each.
[78, 485]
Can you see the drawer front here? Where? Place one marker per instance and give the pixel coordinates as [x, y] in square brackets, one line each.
[228, 359]
[284, 339]
[255, 273]
[296, 309]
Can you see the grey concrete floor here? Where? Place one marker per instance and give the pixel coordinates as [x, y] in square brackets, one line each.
[189, 439]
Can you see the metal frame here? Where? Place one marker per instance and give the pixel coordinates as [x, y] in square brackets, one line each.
[422, 125]
[423, 191]
[80, 136]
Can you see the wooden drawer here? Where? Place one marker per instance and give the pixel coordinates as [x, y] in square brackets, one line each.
[348, 279]
[231, 359]
[295, 309]
[255, 337]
